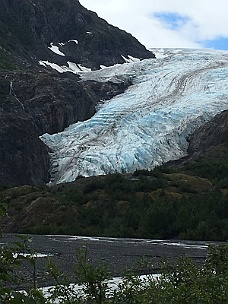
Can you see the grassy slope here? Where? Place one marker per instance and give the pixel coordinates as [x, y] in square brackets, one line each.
[190, 202]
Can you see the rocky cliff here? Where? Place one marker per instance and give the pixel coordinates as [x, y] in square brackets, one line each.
[209, 143]
[35, 99]
[38, 103]
[213, 133]
[28, 28]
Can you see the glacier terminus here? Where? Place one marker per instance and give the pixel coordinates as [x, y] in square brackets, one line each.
[149, 123]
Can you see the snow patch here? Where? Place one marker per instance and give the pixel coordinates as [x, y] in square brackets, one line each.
[76, 68]
[72, 67]
[130, 59]
[73, 40]
[103, 66]
[54, 66]
[55, 49]
[134, 59]
[64, 43]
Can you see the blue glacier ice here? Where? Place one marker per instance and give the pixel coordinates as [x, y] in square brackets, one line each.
[148, 124]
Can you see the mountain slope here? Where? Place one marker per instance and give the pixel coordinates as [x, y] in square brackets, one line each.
[213, 133]
[185, 203]
[35, 99]
[28, 28]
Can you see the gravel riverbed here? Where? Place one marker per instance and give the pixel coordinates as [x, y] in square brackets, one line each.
[117, 254]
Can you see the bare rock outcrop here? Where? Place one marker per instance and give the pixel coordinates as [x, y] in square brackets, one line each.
[213, 133]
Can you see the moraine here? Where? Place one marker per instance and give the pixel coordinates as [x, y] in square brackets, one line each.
[148, 124]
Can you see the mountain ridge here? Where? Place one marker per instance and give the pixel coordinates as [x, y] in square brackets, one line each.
[29, 28]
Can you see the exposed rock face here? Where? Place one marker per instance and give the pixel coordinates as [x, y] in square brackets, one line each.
[35, 103]
[213, 133]
[29, 27]
[23, 157]
[35, 100]
[54, 101]
[210, 141]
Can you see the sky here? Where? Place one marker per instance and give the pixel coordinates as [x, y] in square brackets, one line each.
[168, 23]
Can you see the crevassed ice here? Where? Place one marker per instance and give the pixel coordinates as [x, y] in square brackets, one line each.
[148, 124]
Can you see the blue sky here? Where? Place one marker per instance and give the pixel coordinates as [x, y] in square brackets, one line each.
[217, 44]
[173, 21]
[168, 23]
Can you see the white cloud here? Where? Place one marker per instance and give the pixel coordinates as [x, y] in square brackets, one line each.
[207, 20]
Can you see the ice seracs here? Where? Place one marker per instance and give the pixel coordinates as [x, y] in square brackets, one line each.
[148, 124]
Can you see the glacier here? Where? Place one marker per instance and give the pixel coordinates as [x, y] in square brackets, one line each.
[148, 124]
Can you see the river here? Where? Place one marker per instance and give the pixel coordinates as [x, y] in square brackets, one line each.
[118, 254]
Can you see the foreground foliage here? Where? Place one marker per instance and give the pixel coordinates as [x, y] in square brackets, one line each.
[183, 283]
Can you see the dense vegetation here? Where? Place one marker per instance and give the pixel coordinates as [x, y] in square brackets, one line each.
[187, 202]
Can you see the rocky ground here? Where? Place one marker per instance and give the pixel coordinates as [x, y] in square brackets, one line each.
[117, 254]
